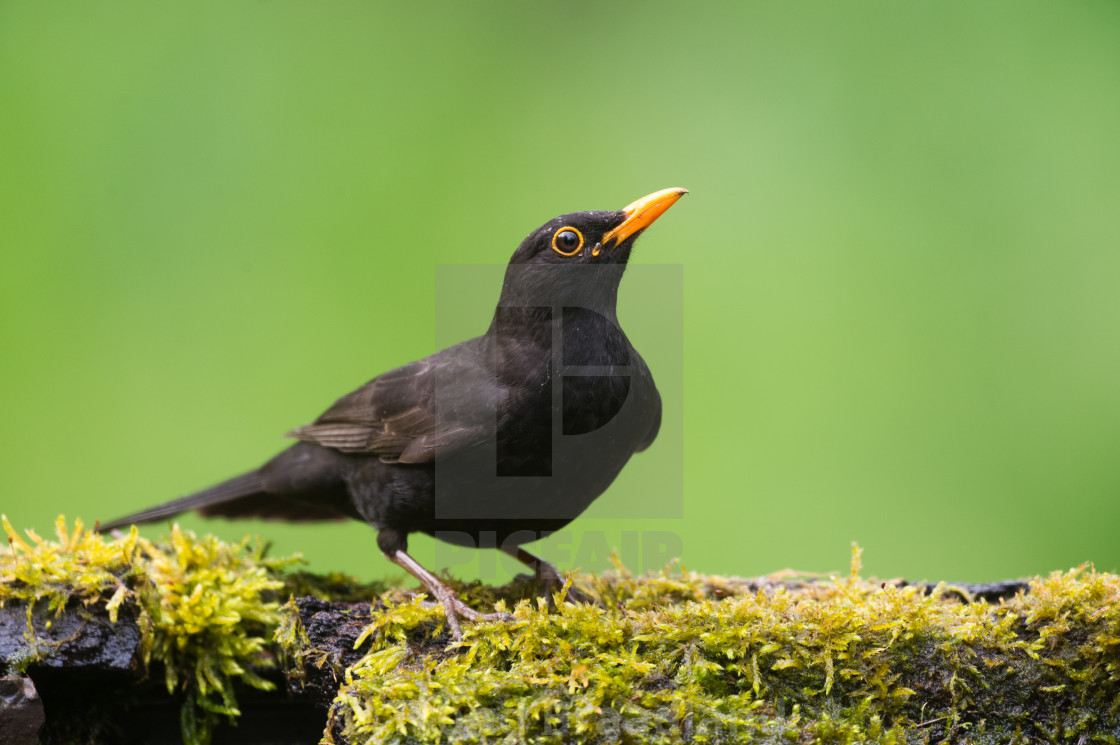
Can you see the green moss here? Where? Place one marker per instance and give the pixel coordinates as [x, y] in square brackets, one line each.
[211, 621]
[670, 656]
[206, 608]
[701, 658]
[78, 566]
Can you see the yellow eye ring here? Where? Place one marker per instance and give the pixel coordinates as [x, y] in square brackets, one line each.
[559, 233]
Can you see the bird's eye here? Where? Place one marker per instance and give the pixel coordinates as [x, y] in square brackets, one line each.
[567, 241]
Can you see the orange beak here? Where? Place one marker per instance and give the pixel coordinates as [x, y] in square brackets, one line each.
[641, 214]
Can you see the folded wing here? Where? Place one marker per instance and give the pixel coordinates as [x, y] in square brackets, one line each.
[407, 414]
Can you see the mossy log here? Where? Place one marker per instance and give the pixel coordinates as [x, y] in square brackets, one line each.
[133, 641]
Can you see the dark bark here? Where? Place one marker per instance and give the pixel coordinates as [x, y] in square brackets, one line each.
[92, 688]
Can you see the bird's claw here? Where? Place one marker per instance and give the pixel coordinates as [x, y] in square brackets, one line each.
[552, 585]
[454, 609]
[576, 595]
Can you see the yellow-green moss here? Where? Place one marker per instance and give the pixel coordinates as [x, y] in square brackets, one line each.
[670, 656]
[700, 658]
[205, 607]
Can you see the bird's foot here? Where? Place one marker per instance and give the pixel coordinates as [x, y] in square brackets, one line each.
[549, 578]
[551, 582]
[453, 607]
[555, 584]
[577, 595]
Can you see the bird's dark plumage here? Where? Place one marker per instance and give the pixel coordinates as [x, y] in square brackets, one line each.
[497, 439]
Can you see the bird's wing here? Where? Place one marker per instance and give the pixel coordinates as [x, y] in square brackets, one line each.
[407, 414]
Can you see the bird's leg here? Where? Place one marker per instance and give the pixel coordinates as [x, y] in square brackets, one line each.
[548, 576]
[453, 607]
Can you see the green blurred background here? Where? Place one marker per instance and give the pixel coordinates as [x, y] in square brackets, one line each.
[901, 254]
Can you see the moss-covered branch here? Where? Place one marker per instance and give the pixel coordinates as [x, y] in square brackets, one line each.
[202, 605]
[671, 657]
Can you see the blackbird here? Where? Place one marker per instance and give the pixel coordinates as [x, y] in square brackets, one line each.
[495, 441]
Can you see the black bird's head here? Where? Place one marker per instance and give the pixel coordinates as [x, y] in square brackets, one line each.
[594, 237]
[581, 254]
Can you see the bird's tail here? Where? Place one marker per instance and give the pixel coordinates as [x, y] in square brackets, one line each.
[245, 485]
